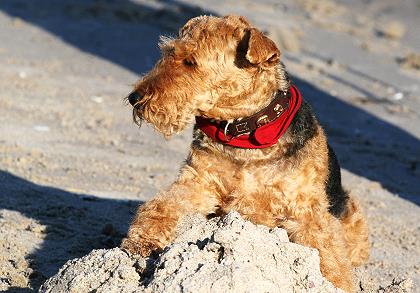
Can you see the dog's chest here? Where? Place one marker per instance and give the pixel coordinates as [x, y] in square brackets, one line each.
[251, 180]
[255, 180]
[280, 182]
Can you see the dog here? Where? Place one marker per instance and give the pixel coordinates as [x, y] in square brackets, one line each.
[257, 146]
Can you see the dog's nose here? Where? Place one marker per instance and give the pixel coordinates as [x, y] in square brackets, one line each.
[134, 97]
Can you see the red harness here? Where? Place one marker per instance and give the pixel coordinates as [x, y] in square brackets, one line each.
[262, 136]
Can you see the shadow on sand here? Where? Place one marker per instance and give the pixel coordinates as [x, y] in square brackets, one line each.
[74, 223]
[126, 33]
[120, 31]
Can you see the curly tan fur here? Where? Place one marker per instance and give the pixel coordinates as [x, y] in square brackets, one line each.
[224, 68]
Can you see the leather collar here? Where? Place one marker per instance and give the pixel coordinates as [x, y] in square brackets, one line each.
[263, 129]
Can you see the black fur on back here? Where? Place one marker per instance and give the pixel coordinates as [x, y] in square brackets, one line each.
[337, 197]
[303, 128]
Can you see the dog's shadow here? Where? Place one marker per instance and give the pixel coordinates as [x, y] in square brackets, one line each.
[68, 225]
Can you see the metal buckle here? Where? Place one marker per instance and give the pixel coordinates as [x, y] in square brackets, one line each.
[226, 129]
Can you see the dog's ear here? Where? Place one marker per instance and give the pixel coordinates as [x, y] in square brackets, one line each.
[261, 50]
[183, 48]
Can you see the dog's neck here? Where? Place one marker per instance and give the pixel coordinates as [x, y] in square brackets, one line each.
[263, 95]
[261, 130]
[252, 99]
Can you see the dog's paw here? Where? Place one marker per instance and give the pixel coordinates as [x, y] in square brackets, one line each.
[138, 247]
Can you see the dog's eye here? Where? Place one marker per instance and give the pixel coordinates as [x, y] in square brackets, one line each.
[189, 62]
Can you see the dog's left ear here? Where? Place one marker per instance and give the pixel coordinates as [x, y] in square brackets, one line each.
[261, 50]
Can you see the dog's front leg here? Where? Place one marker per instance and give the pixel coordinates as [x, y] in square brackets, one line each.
[154, 224]
[324, 232]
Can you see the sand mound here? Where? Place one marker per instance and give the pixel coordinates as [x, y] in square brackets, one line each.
[411, 61]
[220, 255]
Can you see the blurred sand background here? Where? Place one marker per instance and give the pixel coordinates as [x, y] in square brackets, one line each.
[73, 166]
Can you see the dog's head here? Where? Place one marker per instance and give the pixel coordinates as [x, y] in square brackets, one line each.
[221, 68]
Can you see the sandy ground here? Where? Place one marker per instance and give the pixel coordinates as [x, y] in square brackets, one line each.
[73, 166]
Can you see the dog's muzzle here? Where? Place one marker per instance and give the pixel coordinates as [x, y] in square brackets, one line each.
[134, 98]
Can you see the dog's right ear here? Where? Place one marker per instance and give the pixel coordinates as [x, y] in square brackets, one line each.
[260, 50]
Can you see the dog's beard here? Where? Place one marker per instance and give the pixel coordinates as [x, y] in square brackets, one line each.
[167, 115]
[137, 114]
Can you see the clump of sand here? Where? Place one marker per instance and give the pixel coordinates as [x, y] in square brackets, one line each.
[321, 7]
[411, 61]
[392, 30]
[225, 254]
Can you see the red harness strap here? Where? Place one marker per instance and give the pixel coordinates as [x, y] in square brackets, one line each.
[263, 136]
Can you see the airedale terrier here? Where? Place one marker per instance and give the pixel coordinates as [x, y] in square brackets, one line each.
[257, 147]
